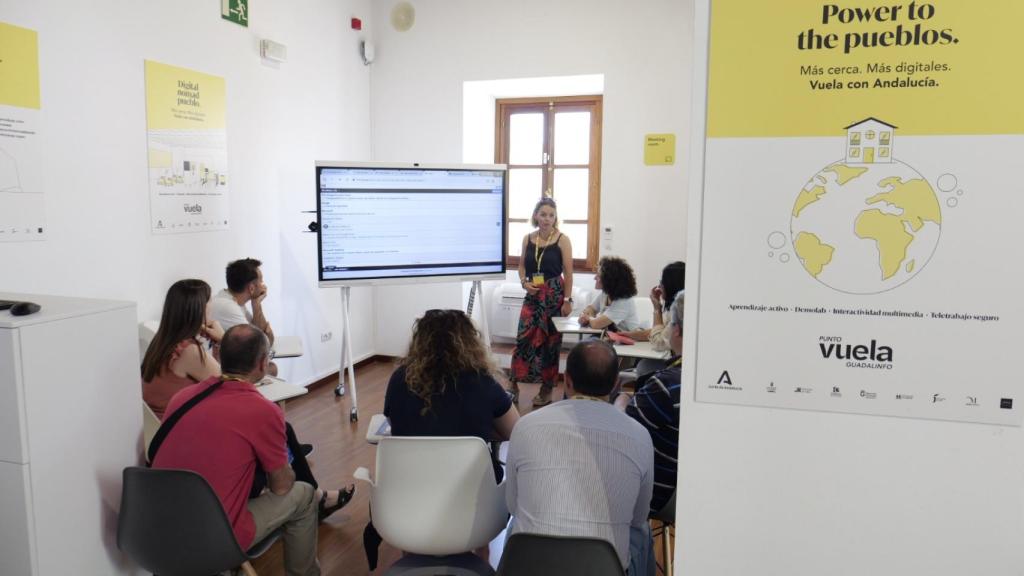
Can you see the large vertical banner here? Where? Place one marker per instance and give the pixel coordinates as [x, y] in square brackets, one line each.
[862, 208]
[22, 210]
[188, 159]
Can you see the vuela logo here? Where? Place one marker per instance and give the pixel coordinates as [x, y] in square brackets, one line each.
[832, 347]
[194, 208]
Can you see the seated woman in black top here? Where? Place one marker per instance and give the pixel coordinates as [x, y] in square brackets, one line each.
[445, 387]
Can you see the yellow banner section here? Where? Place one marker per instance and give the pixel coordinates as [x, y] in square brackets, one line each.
[19, 66]
[813, 67]
[183, 99]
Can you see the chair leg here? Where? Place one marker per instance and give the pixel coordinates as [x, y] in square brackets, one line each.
[666, 547]
[248, 570]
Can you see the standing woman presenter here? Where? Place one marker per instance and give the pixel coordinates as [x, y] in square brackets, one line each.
[545, 271]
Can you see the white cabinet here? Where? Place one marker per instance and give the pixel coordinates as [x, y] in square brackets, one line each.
[70, 421]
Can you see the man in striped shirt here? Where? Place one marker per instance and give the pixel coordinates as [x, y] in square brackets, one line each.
[656, 407]
[580, 467]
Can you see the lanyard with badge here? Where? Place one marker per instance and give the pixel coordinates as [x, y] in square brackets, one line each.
[538, 255]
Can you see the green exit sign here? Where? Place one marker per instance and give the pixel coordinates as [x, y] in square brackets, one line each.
[236, 11]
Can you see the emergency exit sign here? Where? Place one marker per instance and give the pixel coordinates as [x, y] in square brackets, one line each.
[236, 11]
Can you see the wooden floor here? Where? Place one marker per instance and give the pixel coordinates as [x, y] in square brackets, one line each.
[322, 419]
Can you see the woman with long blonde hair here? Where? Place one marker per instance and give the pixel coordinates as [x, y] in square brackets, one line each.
[545, 272]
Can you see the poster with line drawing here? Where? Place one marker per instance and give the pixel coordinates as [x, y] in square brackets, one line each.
[22, 204]
[861, 208]
[187, 150]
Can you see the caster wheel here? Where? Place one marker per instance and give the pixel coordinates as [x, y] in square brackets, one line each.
[353, 416]
[339, 390]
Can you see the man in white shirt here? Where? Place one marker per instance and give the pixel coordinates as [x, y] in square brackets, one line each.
[580, 467]
[245, 286]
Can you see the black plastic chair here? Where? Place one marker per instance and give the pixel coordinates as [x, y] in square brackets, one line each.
[537, 555]
[172, 524]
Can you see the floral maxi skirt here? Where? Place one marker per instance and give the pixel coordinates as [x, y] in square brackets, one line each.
[538, 344]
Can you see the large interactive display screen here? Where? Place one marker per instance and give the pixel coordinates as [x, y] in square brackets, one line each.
[394, 223]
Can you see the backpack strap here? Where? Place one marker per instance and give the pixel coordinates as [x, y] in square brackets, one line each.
[170, 421]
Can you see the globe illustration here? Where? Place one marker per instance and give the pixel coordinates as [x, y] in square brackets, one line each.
[865, 228]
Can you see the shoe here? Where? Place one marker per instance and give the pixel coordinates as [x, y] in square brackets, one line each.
[307, 449]
[513, 393]
[344, 497]
[543, 398]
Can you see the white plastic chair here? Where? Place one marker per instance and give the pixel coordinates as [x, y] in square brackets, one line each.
[150, 424]
[147, 331]
[644, 310]
[435, 496]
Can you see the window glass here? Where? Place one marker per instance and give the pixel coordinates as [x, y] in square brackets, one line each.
[516, 231]
[572, 138]
[571, 192]
[524, 190]
[578, 234]
[526, 138]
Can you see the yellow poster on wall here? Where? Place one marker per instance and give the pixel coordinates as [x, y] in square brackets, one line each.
[22, 209]
[19, 67]
[862, 198]
[660, 149]
[187, 149]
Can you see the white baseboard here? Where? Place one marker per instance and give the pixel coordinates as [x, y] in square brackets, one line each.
[333, 372]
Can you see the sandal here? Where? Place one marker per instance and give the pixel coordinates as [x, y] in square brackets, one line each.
[344, 497]
[543, 398]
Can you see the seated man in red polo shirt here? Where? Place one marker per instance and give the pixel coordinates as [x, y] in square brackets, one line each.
[230, 433]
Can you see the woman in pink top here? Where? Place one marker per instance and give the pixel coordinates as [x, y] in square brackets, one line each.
[177, 356]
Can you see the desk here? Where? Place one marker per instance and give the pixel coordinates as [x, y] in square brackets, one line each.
[642, 350]
[277, 390]
[571, 325]
[287, 347]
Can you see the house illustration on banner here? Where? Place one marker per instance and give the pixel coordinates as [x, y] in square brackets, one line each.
[869, 142]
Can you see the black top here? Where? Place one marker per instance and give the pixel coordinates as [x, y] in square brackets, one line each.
[467, 408]
[550, 259]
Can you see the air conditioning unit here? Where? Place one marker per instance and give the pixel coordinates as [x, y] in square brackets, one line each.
[506, 305]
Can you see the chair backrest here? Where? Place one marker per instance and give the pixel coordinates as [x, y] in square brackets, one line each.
[147, 330]
[535, 554]
[436, 495]
[667, 514]
[644, 310]
[171, 523]
[150, 424]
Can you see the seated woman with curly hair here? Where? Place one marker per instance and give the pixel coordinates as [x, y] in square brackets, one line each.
[445, 386]
[613, 307]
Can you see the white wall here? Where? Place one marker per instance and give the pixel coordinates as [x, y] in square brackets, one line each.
[785, 492]
[641, 48]
[280, 119]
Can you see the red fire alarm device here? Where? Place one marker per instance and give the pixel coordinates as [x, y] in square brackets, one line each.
[357, 24]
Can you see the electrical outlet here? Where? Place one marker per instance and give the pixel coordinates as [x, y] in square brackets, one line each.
[326, 336]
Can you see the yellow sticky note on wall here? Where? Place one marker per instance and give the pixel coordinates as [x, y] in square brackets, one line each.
[659, 149]
[19, 67]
